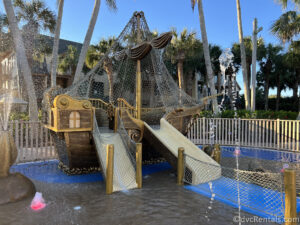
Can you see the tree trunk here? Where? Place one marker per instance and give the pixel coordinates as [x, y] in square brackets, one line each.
[254, 44]
[243, 56]
[267, 91]
[278, 92]
[298, 81]
[56, 42]
[296, 84]
[189, 83]
[22, 59]
[210, 74]
[229, 86]
[180, 79]
[108, 67]
[180, 74]
[219, 83]
[87, 41]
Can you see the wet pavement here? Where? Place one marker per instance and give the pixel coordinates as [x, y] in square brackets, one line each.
[159, 202]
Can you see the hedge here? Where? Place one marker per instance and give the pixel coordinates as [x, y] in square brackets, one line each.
[259, 114]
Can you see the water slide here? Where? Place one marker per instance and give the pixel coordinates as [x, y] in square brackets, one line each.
[168, 139]
[124, 176]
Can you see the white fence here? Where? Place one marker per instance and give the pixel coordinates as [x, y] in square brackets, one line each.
[33, 141]
[275, 134]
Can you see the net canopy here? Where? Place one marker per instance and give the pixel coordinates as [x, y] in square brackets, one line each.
[114, 76]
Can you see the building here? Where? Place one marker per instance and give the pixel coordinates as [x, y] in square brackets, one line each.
[10, 79]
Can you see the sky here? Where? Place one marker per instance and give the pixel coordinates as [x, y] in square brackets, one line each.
[162, 15]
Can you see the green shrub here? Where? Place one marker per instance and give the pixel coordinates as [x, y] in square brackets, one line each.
[22, 116]
[259, 114]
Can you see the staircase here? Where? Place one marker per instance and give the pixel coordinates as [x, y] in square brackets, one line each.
[102, 118]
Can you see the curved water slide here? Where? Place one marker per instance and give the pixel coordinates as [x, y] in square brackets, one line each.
[124, 175]
[167, 139]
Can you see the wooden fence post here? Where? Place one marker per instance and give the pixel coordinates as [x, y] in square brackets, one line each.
[290, 214]
[139, 165]
[116, 120]
[109, 168]
[180, 166]
[217, 153]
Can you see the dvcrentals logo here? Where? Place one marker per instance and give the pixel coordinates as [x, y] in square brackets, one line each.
[256, 219]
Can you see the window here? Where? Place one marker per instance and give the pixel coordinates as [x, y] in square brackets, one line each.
[74, 120]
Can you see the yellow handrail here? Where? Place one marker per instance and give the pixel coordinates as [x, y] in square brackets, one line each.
[122, 103]
[98, 103]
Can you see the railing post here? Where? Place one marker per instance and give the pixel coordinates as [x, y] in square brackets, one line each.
[139, 165]
[204, 131]
[278, 133]
[297, 135]
[109, 168]
[116, 120]
[290, 214]
[180, 166]
[217, 153]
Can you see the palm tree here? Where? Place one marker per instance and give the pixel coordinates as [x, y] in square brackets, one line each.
[22, 59]
[285, 2]
[210, 75]
[281, 75]
[181, 47]
[243, 56]
[254, 59]
[35, 16]
[89, 33]
[95, 53]
[292, 62]
[68, 61]
[268, 56]
[287, 26]
[56, 42]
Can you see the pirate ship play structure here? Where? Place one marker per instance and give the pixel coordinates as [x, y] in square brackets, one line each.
[133, 89]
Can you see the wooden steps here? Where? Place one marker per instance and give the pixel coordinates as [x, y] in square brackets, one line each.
[81, 150]
[102, 118]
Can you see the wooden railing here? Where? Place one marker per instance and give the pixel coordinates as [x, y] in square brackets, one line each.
[261, 133]
[32, 140]
[123, 104]
[98, 103]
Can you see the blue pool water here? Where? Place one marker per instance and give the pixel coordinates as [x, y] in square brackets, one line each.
[254, 199]
[266, 154]
[48, 172]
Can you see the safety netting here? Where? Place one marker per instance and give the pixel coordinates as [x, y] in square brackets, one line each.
[124, 169]
[114, 77]
[251, 180]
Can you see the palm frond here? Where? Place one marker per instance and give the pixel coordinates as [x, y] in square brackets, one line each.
[193, 3]
[111, 4]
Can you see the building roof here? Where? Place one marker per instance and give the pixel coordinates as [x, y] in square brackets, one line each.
[13, 100]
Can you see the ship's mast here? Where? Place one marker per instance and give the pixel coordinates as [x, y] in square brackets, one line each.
[138, 70]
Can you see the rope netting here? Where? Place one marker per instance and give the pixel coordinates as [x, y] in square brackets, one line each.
[257, 192]
[124, 174]
[114, 76]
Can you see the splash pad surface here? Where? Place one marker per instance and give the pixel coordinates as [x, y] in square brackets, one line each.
[257, 185]
[252, 197]
[48, 172]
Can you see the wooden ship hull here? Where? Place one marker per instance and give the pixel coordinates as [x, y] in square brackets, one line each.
[71, 125]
